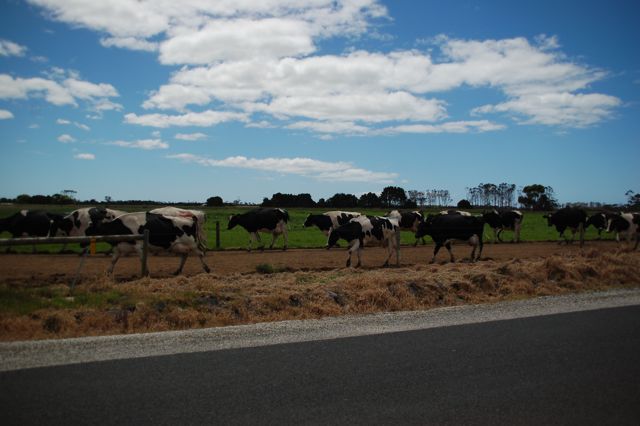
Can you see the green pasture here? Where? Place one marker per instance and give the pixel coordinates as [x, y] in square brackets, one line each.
[534, 227]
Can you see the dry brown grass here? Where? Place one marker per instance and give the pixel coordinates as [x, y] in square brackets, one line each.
[212, 300]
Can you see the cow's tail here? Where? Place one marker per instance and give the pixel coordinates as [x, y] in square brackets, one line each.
[285, 215]
[202, 232]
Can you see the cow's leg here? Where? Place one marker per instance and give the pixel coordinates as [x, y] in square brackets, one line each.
[274, 237]
[473, 242]
[114, 259]
[436, 249]
[561, 238]
[448, 246]
[581, 234]
[251, 238]
[259, 240]
[183, 260]
[201, 255]
[496, 235]
[285, 235]
[359, 253]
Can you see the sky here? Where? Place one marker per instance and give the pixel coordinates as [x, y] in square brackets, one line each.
[181, 101]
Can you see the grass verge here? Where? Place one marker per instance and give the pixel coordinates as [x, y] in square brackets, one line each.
[100, 306]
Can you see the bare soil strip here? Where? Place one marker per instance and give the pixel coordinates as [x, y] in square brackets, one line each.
[58, 268]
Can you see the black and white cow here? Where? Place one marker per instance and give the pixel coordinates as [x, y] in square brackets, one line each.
[273, 221]
[328, 220]
[625, 225]
[29, 223]
[408, 221]
[198, 214]
[445, 228]
[455, 212]
[166, 233]
[598, 221]
[82, 222]
[76, 223]
[363, 230]
[568, 217]
[509, 220]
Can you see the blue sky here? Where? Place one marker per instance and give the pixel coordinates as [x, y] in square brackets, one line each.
[180, 101]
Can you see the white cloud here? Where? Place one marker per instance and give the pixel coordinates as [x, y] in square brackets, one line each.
[374, 87]
[62, 92]
[66, 138]
[132, 43]
[369, 108]
[146, 144]
[320, 170]
[190, 136]
[449, 127]
[5, 115]
[250, 57]
[230, 27]
[9, 48]
[84, 156]
[221, 40]
[558, 109]
[65, 122]
[199, 119]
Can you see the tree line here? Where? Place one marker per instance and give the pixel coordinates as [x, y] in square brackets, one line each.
[484, 195]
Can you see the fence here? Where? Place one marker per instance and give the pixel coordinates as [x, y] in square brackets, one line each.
[144, 270]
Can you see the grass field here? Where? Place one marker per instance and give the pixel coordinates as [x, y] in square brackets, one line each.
[534, 227]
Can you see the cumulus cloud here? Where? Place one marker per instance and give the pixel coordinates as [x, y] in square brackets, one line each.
[196, 32]
[145, 144]
[362, 87]
[320, 170]
[56, 90]
[9, 48]
[199, 119]
[261, 58]
[190, 136]
[84, 156]
[131, 43]
[64, 122]
[66, 138]
[5, 115]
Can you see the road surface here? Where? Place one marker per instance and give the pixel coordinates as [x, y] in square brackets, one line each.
[569, 368]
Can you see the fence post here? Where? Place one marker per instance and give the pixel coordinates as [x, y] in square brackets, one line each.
[217, 234]
[145, 252]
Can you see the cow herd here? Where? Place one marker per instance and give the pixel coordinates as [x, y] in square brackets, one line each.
[182, 231]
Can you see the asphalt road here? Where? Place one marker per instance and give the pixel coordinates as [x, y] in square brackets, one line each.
[575, 368]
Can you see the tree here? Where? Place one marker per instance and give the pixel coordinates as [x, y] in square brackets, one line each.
[464, 204]
[342, 201]
[633, 201]
[538, 197]
[215, 201]
[393, 196]
[369, 200]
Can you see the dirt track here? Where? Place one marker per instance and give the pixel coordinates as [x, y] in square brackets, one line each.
[51, 268]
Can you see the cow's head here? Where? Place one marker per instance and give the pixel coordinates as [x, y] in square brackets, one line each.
[615, 222]
[61, 227]
[549, 218]
[424, 227]
[233, 221]
[334, 236]
[309, 221]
